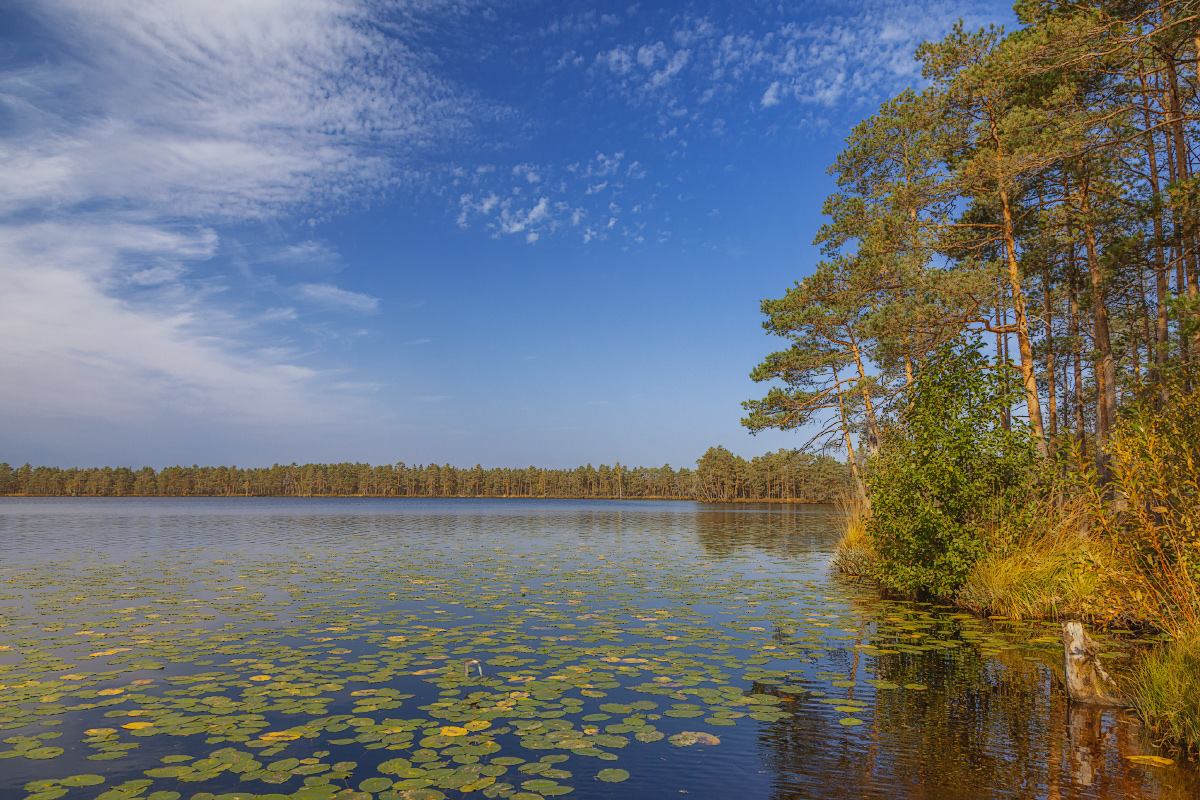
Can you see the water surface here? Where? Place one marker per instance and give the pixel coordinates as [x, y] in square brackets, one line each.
[316, 648]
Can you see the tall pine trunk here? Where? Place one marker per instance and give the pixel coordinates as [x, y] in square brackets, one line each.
[1106, 374]
[1028, 375]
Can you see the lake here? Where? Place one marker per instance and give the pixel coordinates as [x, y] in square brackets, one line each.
[408, 648]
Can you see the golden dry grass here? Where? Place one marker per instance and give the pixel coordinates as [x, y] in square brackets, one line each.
[1050, 577]
[854, 555]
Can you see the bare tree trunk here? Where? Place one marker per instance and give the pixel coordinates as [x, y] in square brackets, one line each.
[858, 481]
[1187, 232]
[1073, 334]
[1028, 376]
[1051, 381]
[1162, 320]
[1001, 356]
[865, 388]
[1176, 246]
[1106, 374]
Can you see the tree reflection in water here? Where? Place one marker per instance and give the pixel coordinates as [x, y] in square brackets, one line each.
[784, 530]
[986, 726]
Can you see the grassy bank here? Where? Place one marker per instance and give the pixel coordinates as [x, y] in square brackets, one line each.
[1066, 571]
[966, 510]
[1058, 573]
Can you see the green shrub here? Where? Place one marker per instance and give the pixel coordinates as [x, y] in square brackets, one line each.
[1155, 519]
[949, 477]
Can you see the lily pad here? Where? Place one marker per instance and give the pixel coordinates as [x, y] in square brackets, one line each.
[612, 775]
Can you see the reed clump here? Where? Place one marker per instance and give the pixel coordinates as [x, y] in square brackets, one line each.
[1166, 682]
[1053, 569]
[1154, 518]
[855, 555]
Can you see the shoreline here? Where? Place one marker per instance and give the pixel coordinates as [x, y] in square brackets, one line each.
[736, 501]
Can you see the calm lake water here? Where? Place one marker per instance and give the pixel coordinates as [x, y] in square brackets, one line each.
[321, 648]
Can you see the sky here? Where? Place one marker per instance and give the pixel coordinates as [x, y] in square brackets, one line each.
[509, 233]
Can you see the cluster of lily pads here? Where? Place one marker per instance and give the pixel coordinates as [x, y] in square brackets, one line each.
[340, 667]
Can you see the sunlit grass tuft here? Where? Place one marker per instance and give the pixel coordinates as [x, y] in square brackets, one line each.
[855, 554]
[1053, 569]
[1167, 685]
[1052, 578]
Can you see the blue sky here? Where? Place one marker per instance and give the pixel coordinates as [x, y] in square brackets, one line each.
[257, 231]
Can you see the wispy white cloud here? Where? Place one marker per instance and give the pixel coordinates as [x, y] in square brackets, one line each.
[579, 24]
[681, 82]
[307, 255]
[330, 296]
[77, 349]
[225, 108]
[855, 56]
[647, 68]
[156, 124]
[771, 95]
[529, 172]
[562, 197]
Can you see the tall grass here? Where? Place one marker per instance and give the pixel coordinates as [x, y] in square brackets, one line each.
[854, 555]
[1050, 568]
[1167, 683]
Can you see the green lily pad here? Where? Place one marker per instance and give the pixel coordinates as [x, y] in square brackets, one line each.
[374, 784]
[612, 775]
[41, 753]
[546, 788]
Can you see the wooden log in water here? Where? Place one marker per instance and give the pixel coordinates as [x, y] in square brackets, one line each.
[1087, 682]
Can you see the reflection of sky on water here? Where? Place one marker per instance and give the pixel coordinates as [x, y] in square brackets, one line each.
[987, 724]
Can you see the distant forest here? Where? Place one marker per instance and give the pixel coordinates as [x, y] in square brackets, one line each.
[720, 476]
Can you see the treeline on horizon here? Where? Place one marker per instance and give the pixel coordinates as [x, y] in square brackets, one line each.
[720, 476]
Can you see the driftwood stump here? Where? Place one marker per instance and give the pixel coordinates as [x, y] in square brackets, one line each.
[1087, 682]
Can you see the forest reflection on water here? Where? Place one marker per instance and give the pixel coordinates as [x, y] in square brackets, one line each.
[990, 723]
[719, 605]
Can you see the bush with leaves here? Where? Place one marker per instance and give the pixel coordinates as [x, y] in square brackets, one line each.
[949, 477]
[1151, 511]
